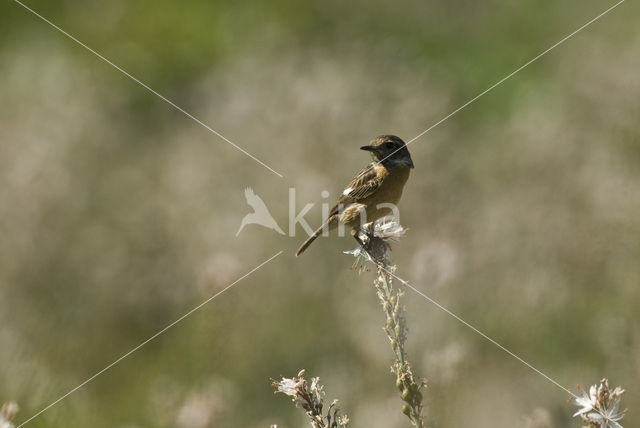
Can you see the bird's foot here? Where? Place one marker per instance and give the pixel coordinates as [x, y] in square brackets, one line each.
[377, 248]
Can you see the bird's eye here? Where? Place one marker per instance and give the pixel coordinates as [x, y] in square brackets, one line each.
[388, 145]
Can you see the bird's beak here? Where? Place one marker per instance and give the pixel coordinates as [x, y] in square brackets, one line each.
[368, 148]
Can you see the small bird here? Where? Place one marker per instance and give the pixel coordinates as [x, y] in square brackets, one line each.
[380, 182]
[261, 214]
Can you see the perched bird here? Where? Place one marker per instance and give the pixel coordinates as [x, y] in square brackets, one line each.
[261, 214]
[380, 182]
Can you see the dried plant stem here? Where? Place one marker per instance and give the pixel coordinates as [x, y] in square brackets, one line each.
[396, 330]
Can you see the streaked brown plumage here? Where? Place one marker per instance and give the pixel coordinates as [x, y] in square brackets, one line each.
[380, 182]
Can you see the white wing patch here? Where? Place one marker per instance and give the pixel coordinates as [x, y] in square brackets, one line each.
[347, 191]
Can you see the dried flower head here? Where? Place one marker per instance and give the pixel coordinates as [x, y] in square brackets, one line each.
[309, 396]
[600, 406]
[362, 257]
[389, 230]
[374, 241]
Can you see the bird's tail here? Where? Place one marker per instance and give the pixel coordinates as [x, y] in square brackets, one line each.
[313, 237]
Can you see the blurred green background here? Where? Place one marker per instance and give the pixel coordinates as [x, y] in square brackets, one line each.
[118, 214]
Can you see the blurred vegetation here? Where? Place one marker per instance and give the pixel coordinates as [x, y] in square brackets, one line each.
[119, 214]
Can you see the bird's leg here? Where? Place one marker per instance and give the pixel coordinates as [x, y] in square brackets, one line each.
[356, 233]
[369, 229]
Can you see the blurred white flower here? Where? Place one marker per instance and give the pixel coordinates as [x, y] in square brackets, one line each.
[600, 407]
[198, 411]
[539, 418]
[7, 414]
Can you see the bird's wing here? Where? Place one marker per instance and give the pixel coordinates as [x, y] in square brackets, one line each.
[363, 184]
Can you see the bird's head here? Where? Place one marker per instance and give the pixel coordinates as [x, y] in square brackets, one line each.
[389, 150]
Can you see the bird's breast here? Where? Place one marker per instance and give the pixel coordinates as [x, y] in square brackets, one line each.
[389, 191]
[392, 183]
